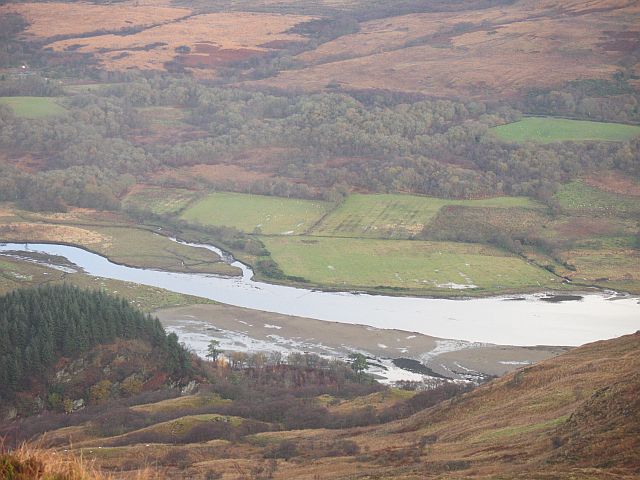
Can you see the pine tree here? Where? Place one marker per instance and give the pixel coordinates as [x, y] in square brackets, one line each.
[40, 325]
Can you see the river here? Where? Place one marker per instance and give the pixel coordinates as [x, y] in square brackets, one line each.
[515, 320]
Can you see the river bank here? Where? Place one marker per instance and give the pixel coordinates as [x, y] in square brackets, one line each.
[529, 321]
[242, 329]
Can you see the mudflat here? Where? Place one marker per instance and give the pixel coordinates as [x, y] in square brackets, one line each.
[253, 330]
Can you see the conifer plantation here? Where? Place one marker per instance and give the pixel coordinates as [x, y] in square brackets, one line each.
[42, 325]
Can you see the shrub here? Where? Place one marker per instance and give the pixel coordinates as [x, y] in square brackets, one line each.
[100, 392]
[343, 448]
[285, 449]
[131, 386]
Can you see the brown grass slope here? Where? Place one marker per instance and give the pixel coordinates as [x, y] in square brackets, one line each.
[574, 416]
[146, 36]
[496, 52]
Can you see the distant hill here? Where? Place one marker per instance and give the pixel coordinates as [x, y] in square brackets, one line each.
[480, 49]
[480, 53]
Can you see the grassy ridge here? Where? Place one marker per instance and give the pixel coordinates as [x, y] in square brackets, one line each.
[33, 107]
[547, 130]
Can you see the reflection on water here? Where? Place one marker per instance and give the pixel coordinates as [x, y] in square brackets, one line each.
[493, 320]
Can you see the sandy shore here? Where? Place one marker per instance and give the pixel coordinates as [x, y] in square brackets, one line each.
[253, 330]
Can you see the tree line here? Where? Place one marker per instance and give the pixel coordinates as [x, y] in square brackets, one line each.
[611, 100]
[41, 325]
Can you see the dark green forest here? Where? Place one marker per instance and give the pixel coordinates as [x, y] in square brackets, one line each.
[41, 325]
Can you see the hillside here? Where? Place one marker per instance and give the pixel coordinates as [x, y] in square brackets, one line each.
[480, 50]
[487, 53]
[576, 415]
[63, 347]
[553, 419]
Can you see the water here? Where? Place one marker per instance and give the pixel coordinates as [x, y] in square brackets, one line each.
[500, 320]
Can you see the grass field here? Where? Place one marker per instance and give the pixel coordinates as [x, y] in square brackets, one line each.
[413, 265]
[459, 222]
[33, 107]
[397, 216]
[547, 130]
[159, 200]
[577, 196]
[269, 215]
[615, 268]
[126, 245]
[142, 248]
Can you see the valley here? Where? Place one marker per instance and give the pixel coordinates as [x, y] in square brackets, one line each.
[322, 239]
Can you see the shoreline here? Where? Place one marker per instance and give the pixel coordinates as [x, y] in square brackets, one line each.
[249, 330]
[110, 259]
[536, 320]
[353, 290]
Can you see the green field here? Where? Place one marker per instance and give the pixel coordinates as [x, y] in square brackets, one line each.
[33, 107]
[136, 247]
[413, 265]
[141, 248]
[579, 197]
[160, 200]
[249, 213]
[547, 130]
[397, 216]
